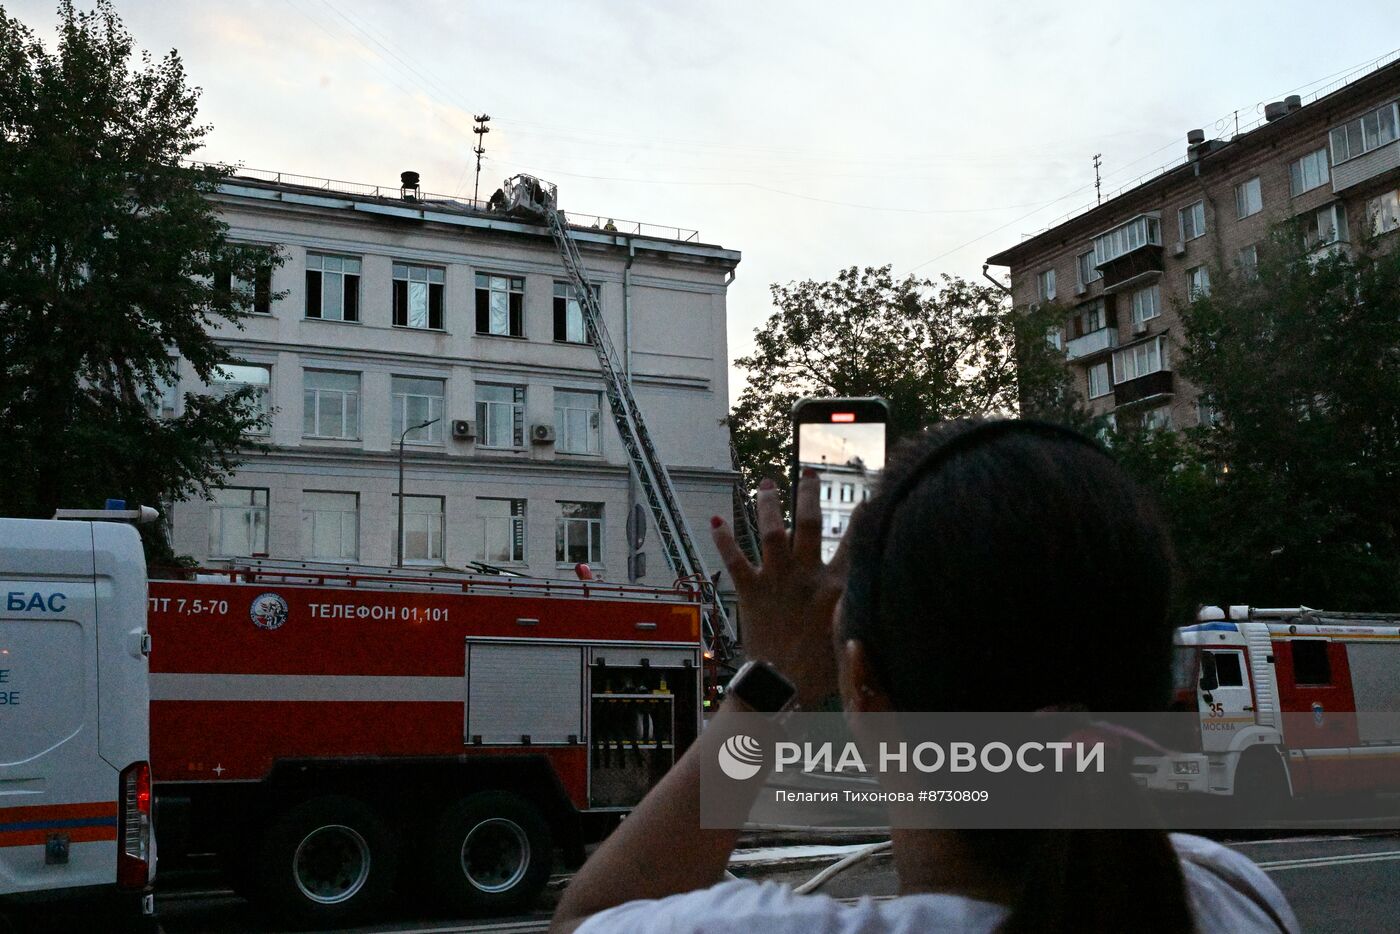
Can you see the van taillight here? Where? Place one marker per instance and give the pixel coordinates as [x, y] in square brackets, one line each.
[134, 827]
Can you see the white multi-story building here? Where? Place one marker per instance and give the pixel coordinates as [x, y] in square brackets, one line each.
[394, 309]
[843, 488]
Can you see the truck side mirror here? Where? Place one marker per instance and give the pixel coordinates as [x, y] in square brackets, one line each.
[1210, 678]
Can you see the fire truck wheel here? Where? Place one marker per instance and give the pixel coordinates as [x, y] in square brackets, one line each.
[1262, 787]
[490, 852]
[324, 861]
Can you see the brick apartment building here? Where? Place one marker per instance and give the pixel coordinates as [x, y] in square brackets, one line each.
[395, 307]
[1122, 268]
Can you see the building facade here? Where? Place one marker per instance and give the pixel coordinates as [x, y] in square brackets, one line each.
[1123, 268]
[396, 309]
[843, 488]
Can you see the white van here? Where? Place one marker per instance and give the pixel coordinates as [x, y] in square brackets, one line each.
[75, 784]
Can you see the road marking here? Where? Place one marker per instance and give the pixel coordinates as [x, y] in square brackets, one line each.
[1303, 839]
[1317, 862]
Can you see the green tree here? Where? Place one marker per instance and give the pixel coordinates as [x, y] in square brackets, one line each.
[935, 348]
[1294, 496]
[111, 259]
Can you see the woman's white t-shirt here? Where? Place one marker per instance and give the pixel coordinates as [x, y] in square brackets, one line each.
[1226, 890]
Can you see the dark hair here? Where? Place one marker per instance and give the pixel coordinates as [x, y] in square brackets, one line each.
[986, 544]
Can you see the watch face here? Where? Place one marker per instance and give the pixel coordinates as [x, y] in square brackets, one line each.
[762, 688]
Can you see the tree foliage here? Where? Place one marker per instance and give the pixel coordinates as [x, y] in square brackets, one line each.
[934, 348]
[109, 250]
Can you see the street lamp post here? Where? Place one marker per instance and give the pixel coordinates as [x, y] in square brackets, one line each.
[401, 440]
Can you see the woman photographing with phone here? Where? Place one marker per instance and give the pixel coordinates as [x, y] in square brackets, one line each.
[983, 544]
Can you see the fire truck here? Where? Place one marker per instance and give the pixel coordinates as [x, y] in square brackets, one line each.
[331, 733]
[1291, 702]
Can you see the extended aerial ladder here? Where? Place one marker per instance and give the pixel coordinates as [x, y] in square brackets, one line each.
[528, 196]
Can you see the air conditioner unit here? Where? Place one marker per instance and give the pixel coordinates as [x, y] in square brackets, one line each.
[1179, 248]
[542, 434]
[1139, 327]
[1080, 288]
[463, 430]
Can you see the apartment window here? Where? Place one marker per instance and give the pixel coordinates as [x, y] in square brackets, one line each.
[1092, 317]
[1088, 272]
[332, 287]
[1207, 415]
[848, 493]
[417, 400]
[1099, 384]
[1147, 304]
[1368, 131]
[1249, 198]
[1197, 282]
[503, 530]
[576, 422]
[579, 535]
[1384, 212]
[1055, 337]
[423, 523]
[1141, 231]
[257, 292]
[500, 305]
[500, 416]
[418, 296]
[1248, 260]
[330, 404]
[1045, 285]
[164, 401]
[1308, 172]
[1158, 419]
[1140, 360]
[826, 492]
[1192, 219]
[231, 377]
[569, 326]
[238, 523]
[1325, 226]
[330, 525]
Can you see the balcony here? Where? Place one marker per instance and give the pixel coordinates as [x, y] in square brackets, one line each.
[1363, 168]
[1092, 343]
[1144, 387]
[1129, 250]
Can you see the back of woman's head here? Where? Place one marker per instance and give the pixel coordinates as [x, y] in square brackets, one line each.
[1011, 565]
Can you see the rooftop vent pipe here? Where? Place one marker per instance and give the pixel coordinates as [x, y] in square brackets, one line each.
[1275, 109]
[408, 186]
[1293, 102]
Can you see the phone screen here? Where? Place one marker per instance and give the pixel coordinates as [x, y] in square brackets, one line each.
[843, 440]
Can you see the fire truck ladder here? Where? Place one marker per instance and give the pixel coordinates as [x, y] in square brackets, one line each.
[674, 532]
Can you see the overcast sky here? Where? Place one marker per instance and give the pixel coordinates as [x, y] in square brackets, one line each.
[808, 135]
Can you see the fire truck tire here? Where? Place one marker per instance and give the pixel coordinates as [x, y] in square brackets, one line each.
[1261, 784]
[325, 861]
[490, 852]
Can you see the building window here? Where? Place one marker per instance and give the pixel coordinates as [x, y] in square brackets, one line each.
[1055, 337]
[1158, 419]
[500, 305]
[1249, 198]
[257, 293]
[1326, 226]
[826, 492]
[576, 422]
[1045, 285]
[503, 530]
[500, 416]
[1308, 172]
[1088, 272]
[231, 377]
[1248, 260]
[848, 492]
[1192, 219]
[1140, 360]
[1197, 282]
[1099, 384]
[1384, 212]
[569, 326]
[331, 404]
[1207, 415]
[423, 523]
[330, 526]
[418, 296]
[164, 401]
[332, 287]
[1366, 132]
[579, 536]
[415, 401]
[1141, 231]
[238, 523]
[1092, 317]
[1146, 304]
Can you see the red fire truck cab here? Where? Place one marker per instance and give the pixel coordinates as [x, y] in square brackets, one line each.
[331, 734]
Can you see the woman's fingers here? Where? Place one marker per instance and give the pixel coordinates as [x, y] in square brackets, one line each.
[741, 571]
[772, 530]
[807, 519]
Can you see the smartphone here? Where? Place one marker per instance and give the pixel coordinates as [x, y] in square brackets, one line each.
[844, 441]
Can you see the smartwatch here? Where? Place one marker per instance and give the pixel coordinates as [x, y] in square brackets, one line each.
[759, 685]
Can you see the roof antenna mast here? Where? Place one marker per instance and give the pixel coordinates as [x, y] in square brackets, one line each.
[481, 129]
[1098, 183]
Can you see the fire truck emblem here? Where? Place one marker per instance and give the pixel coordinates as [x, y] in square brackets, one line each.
[268, 611]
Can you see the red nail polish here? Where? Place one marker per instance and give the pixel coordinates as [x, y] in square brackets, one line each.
[716, 522]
